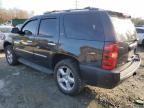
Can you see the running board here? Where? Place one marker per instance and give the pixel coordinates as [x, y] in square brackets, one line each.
[35, 66]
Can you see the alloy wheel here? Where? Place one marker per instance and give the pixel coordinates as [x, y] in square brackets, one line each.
[65, 78]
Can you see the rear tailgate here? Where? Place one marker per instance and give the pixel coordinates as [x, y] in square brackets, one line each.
[126, 37]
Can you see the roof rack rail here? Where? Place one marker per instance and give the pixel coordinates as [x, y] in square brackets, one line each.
[70, 10]
[91, 8]
[48, 12]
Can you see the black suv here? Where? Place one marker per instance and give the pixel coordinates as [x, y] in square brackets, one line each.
[91, 46]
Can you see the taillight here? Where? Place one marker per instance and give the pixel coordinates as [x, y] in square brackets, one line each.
[110, 56]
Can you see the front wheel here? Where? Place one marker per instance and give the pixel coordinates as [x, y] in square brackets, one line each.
[10, 55]
[67, 77]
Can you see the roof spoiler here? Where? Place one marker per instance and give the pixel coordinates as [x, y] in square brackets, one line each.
[119, 14]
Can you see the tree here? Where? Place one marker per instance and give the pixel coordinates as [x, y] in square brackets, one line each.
[138, 21]
[6, 15]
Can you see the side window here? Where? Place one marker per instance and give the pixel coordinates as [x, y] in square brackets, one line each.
[30, 27]
[48, 27]
[84, 26]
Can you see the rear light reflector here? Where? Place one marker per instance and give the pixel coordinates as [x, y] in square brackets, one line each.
[110, 55]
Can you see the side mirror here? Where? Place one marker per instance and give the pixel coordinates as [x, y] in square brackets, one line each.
[15, 30]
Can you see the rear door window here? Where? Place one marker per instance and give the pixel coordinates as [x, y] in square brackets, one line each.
[48, 27]
[84, 26]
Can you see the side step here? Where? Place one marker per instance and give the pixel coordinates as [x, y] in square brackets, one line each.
[35, 66]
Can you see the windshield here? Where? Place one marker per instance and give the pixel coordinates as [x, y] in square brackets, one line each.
[124, 29]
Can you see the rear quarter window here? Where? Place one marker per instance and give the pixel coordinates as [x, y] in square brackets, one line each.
[84, 26]
[124, 29]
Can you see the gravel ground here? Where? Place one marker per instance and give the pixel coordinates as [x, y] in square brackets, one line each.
[23, 87]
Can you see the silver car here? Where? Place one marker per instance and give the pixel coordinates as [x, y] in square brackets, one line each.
[140, 33]
[4, 35]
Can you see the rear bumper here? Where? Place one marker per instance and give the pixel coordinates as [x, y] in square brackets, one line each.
[108, 79]
[131, 69]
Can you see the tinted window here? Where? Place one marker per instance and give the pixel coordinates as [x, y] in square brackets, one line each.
[84, 26]
[48, 27]
[140, 30]
[30, 27]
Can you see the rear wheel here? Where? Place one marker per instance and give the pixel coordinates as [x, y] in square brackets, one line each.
[10, 55]
[67, 77]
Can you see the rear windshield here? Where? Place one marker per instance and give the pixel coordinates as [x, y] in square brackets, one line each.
[140, 30]
[84, 26]
[124, 29]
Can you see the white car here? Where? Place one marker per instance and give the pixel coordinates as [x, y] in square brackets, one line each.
[4, 34]
[140, 33]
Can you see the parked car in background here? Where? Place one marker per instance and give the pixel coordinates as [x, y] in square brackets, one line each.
[4, 34]
[140, 33]
[19, 26]
[88, 46]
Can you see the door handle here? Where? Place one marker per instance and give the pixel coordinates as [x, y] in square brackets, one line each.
[27, 42]
[51, 43]
[17, 42]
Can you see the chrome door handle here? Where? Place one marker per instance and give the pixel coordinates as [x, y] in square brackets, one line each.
[51, 43]
[27, 42]
[17, 42]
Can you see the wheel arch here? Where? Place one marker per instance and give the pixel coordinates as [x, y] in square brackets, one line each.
[58, 57]
[6, 43]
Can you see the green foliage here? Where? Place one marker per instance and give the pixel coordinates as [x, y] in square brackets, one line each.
[18, 21]
[138, 21]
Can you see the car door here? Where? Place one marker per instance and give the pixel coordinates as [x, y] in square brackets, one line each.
[24, 42]
[46, 41]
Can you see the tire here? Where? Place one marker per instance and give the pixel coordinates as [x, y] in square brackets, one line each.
[67, 71]
[10, 56]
